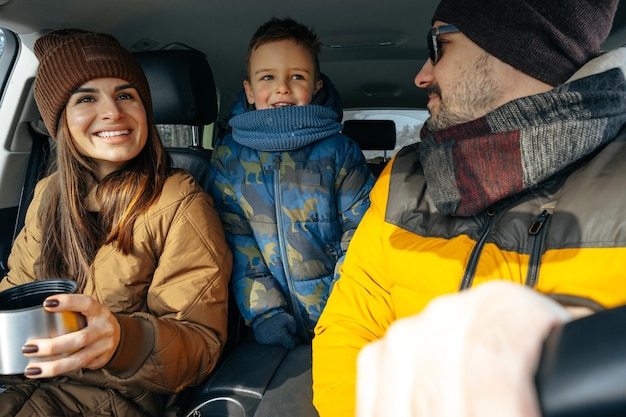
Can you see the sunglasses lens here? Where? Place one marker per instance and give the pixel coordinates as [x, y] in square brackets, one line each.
[432, 53]
[432, 41]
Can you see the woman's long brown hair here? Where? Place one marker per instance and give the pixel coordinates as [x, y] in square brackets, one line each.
[71, 235]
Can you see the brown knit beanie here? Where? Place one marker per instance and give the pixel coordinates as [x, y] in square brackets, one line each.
[68, 58]
[546, 39]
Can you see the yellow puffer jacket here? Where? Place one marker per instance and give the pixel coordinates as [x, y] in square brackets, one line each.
[170, 295]
[566, 239]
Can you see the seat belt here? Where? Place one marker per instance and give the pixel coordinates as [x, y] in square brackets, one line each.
[37, 166]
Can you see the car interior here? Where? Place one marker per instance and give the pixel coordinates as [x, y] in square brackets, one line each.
[194, 53]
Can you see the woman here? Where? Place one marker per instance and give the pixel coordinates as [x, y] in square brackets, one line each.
[142, 240]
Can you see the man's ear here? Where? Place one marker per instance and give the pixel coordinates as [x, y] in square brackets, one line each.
[249, 93]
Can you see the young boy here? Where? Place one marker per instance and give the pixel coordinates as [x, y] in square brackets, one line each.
[289, 187]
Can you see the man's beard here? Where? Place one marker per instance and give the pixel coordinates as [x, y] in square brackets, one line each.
[475, 95]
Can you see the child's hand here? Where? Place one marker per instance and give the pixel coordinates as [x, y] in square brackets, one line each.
[278, 330]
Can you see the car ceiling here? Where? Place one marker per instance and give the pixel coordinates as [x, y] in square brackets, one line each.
[383, 42]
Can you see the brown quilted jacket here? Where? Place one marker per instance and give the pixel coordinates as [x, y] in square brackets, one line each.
[170, 295]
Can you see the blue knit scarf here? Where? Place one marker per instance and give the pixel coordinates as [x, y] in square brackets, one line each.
[285, 128]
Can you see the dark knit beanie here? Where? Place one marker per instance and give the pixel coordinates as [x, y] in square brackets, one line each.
[69, 58]
[546, 39]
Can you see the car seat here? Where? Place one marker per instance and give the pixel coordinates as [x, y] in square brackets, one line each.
[183, 93]
[251, 379]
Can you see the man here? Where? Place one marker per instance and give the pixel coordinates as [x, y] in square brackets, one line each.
[519, 177]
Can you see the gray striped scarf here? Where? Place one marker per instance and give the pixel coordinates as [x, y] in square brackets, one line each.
[471, 166]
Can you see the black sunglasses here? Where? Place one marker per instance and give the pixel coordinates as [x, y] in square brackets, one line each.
[433, 43]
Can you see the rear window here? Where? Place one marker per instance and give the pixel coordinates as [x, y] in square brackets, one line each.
[408, 122]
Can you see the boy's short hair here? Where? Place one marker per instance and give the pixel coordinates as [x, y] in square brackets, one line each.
[286, 28]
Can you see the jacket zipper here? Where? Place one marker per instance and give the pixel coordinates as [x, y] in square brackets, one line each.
[537, 233]
[472, 264]
[295, 305]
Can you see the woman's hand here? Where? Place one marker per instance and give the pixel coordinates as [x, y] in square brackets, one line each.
[91, 347]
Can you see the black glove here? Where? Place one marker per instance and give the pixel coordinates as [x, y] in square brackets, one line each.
[278, 330]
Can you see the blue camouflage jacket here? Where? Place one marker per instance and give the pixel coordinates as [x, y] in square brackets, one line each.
[290, 190]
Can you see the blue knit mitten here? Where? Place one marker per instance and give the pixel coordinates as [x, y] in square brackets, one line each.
[278, 330]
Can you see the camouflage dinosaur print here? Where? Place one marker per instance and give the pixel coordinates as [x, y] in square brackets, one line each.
[289, 217]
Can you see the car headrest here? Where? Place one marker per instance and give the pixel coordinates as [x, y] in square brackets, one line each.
[371, 135]
[181, 85]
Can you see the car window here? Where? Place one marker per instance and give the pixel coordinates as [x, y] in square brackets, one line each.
[408, 122]
[8, 54]
[181, 136]
[176, 136]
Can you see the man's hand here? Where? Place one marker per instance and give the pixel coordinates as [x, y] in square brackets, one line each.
[472, 354]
